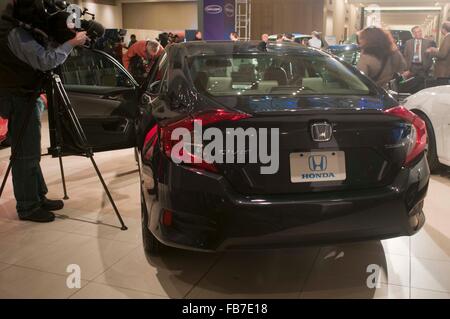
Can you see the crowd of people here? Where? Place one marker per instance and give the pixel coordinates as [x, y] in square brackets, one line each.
[316, 40]
[381, 59]
[138, 56]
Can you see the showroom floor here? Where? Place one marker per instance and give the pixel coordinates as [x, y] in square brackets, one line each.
[34, 257]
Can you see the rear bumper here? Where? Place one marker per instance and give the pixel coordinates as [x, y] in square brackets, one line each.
[208, 215]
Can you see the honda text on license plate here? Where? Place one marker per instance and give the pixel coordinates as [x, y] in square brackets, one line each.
[310, 167]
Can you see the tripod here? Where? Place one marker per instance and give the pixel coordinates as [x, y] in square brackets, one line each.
[60, 111]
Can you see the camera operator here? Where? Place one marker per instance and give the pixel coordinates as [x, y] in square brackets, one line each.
[22, 60]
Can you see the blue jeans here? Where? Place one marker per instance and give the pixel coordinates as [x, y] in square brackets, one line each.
[28, 181]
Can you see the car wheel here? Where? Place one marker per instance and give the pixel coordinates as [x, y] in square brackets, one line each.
[152, 245]
[433, 160]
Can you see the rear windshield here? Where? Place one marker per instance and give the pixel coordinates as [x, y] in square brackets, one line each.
[287, 75]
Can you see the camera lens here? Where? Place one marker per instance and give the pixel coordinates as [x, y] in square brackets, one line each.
[93, 29]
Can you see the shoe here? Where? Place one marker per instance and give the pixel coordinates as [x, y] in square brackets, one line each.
[52, 205]
[40, 215]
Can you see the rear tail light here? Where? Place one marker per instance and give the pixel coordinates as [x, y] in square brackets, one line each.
[207, 118]
[417, 139]
[167, 218]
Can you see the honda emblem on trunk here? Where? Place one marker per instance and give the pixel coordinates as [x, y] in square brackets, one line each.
[321, 132]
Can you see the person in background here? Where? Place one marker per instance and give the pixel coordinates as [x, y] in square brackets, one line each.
[280, 38]
[431, 39]
[133, 40]
[289, 37]
[324, 42]
[164, 38]
[380, 57]
[442, 55]
[234, 36]
[305, 42]
[418, 61]
[118, 49]
[174, 39]
[141, 56]
[198, 36]
[316, 41]
[262, 46]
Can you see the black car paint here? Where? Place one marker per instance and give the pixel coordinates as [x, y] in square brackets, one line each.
[218, 211]
[212, 212]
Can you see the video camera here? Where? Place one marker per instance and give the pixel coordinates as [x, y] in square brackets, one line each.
[55, 19]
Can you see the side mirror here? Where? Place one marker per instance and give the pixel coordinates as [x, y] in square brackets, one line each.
[154, 87]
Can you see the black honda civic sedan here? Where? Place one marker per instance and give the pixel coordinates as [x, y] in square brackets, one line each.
[240, 147]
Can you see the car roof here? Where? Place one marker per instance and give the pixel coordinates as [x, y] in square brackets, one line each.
[342, 47]
[201, 48]
[296, 35]
[301, 35]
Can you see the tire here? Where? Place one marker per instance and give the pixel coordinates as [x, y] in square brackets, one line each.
[152, 245]
[432, 157]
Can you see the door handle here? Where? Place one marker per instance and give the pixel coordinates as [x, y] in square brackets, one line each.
[109, 97]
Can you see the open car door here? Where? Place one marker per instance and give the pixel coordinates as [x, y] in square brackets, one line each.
[104, 97]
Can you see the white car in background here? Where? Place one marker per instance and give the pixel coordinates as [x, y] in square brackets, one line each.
[433, 106]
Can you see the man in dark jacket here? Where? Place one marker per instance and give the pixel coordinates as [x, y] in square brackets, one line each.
[418, 61]
[442, 55]
[22, 62]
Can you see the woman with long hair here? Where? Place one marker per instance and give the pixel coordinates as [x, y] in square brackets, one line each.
[380, 57]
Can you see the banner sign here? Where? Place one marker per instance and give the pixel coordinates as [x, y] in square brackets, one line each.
[218, 19]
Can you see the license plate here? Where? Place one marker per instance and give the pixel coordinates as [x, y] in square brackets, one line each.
[312, 167]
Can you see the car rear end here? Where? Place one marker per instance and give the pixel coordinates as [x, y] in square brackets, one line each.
[3, 130]
[348, 164]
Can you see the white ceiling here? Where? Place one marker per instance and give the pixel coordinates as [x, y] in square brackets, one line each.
[404, 17]
[398, 3]
[408, 16]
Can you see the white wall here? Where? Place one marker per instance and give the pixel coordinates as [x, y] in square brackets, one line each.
[108, 15]
[354, 20]
[165, 15]
[142, 34]
[339, 14]
[140, 1]
[329, 26]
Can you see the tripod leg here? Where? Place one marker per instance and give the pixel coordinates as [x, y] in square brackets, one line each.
[5, 178]
[108, 193]
[63, 178]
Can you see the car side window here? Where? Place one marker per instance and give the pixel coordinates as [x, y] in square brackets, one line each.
[156, 85]
[164, 85]
[87, 68]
